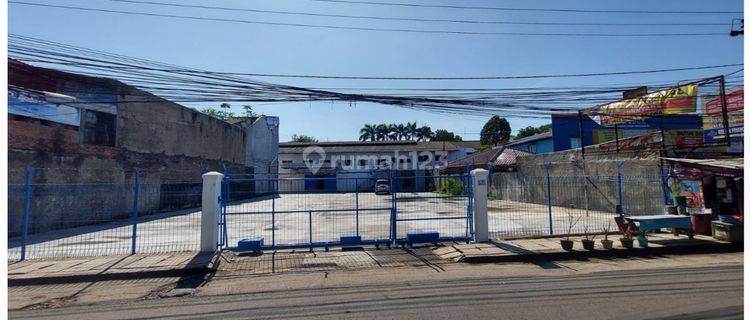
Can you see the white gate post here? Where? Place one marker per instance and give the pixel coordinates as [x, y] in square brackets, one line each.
[210, 211]
[479, 191]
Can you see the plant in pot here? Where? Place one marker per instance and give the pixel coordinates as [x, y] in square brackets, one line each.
[566, 243]
[606, 243]
[588, 239]
[642, 240]
[627, 241]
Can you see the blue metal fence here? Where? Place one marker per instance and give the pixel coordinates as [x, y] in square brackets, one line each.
[88, 219]
[528, 206]
[345, 211]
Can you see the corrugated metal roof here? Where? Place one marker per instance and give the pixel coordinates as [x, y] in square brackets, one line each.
[477, 159]
[368, 146]
[497, 156]
[509, 157]
[538, 136]
[728, 163]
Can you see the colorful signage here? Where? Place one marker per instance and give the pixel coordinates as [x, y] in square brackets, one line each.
[713, 122]
[734, 102]
[672, 101]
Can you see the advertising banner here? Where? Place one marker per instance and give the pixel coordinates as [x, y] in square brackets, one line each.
[713, 121]
[672, 101]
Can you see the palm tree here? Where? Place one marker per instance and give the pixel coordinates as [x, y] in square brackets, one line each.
[411, 130]
[381, 132]
[367, 132]
[424, 133]
[401, 131]
[393, 132]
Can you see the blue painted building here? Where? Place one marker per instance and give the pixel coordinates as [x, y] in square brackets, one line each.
[538, 143]
[566, 132]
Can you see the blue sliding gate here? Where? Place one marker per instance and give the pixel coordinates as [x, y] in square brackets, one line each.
[282, 213]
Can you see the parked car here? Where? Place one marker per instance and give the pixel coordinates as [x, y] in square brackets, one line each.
[382, 186]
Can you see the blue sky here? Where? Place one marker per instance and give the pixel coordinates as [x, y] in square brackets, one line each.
[232, 47]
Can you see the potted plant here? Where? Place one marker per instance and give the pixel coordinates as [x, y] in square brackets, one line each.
[606, 243]
[627, 241]
[588, 240]
[643, 241]
[566, 243]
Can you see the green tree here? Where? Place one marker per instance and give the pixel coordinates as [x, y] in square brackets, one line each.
[530, 131]
[445, 135]
[249, 111]
[303, 138]
[393, 133]
[401, 132]
[368, 132]
[495, 131]
[424, 133]
[222, 113]
[381, 132]
[411, 130]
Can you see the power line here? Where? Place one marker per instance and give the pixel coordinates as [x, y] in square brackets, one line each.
[340, 27]
[526, 9]
[383, 18]
[191, 85]
[575, 75]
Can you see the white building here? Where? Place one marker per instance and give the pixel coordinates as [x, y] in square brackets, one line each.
[261, 148]
[340, 166]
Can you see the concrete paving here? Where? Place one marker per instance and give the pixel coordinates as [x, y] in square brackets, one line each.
[332, 214]
[550, 248]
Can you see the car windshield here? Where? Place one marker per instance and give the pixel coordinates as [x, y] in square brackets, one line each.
[382, 181]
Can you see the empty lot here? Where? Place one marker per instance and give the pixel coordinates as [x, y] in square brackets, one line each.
[285, 219]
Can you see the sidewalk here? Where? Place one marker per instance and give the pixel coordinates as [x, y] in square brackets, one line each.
[550, 249]
[121, 267]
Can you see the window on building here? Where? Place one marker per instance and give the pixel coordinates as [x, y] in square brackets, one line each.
[423, 158]
[575, 143]
[286, 161]
[347, 162]
[99, 128]
[362, 162]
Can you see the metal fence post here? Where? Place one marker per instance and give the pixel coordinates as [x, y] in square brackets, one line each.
[548, 166]
[273, 218]
[619, 183]
[26, 209]
[356, 204]
[309, 228]
[470, 205]
[134, 218]
[489, 176]
[394, 208]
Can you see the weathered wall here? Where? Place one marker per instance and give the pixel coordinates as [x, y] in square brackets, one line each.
[159, 126]
[79, 189]
[641, 186]
[80, 184]
[262, 149]
[635, 163]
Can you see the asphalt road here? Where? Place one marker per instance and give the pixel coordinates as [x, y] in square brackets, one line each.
[674, 293]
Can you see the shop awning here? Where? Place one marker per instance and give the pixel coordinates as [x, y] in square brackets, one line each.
[726, 166]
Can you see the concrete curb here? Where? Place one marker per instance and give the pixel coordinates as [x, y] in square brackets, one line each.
[618, 253]
[79, 278]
